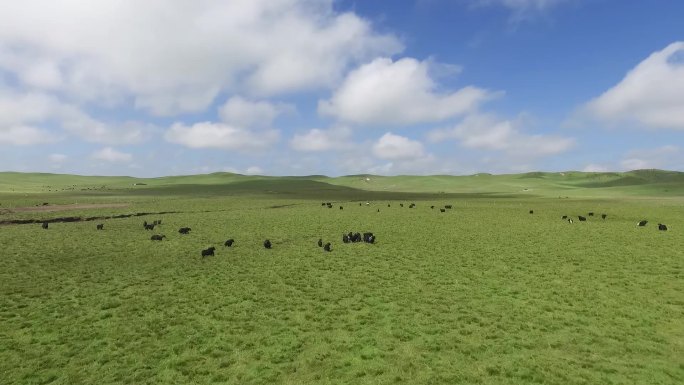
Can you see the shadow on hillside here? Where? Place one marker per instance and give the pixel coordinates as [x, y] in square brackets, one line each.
[297, 189]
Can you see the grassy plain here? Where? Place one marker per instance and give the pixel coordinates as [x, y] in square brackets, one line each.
[484, 293]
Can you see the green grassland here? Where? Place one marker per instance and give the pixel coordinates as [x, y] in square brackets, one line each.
[484, 293]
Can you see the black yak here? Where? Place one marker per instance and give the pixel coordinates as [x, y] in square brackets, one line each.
[531, 211]
[603, 216]
[157, 237]
[327, 247]
[267, 244]
[184, 230]
[229, 242]
[345, 238]
[208, 252]
[447, 207]
[662, 227]
[642, 223]
[320, 242]
[149, 227]
[442, 210]
[591, 214]
[44, 225]
[564, 217]
[581, 218]
[100, 226]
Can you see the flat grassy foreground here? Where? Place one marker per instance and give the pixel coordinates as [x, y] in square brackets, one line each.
[484, 293]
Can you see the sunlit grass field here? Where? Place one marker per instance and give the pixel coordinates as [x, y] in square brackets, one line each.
[483, 293]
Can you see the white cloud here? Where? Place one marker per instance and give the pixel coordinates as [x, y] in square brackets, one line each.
[27, 112]
[661, 157]
[221, 136]
[400, 93]
[21, 135]
[316, 140]
[111, 155]
[57, 158]
[246, 113]
[254, 170]
[595, 168]
[651, 94]
[519, 5]
[171, 59]
[395, 147]
[486, 132]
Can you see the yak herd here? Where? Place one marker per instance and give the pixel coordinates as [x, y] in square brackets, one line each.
[351, 237]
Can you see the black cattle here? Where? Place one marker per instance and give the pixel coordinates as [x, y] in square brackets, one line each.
[158, 237]
[591, 214]
[323, 204]
[356, 237]
[341, 208]
[442, 210]
[359, 203]
[564, 217]
[662, 227]
[401, 205]
[368, 237]
[345, 238]
[389, 205]
[208, 252]
[531, 211]
[378, 210]
[184, 230]
[603, 216]
[447, 207]
[327, 247]
[267, 244]
[320, 242]
[329, 206]
[100, 226]
[229, 242]
[412, 205]
[581, 218]
[44, 225]
[642, 223]
[149, 227]
[432, 207]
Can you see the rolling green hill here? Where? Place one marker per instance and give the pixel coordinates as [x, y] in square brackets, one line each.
[657, 183]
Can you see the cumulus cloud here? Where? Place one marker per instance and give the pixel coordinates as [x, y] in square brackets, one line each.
[660, 157]
[109, 154]
[317, 140]
[174, 59]
[486, 132]
[395, 147]
[592, 167]
[399, 93]
[57, 158]
[522, 10]
[24, 135]
[221, 136]
[247, 113]
[254, 170]
[25, 114]
[651, 94]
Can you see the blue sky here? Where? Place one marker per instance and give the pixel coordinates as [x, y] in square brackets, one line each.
[298, 87]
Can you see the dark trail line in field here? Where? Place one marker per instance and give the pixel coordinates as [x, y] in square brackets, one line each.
[80, 219]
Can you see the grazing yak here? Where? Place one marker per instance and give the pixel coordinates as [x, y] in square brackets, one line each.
[229, 242]
[591, 214]
[581, 218]
[100, 226]
[389, 205]
[341, 208]
[327, 247]
[603, 216]
[320, 242]
[44, 225]
[184, 230]
[412, 205]
[432, 207]
[158, 237]
[401, 205]
[442, 210]
[149, 226]
[447, 207]
[368, 237]
[642, 223]
[564, 217]
[267, 244]
[208, 252]
[531, 211]
[662, 227]
[345, 238]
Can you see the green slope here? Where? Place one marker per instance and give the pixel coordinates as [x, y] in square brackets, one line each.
[571, 183]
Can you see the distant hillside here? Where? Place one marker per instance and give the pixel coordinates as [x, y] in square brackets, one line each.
[570, 183]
